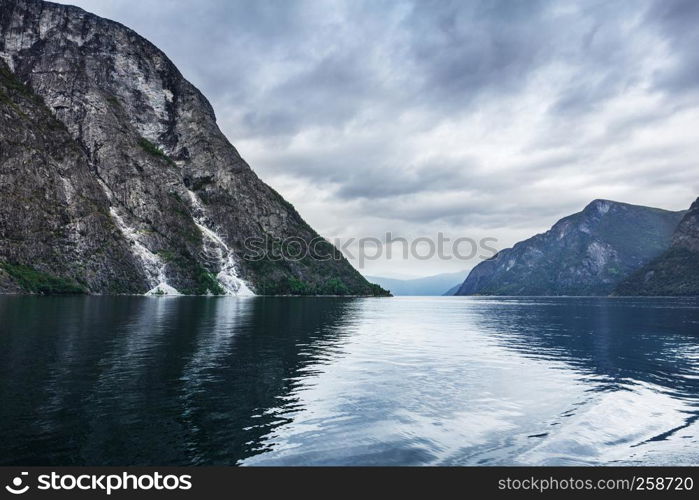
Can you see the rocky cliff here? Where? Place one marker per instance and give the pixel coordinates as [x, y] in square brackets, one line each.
[587, 253]
[676, 271]
[117, 179]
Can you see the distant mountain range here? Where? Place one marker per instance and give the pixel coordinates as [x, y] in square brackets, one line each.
[604, 249]
[439, 284]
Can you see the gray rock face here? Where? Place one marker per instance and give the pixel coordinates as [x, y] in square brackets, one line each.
[676, 271]
[587, 253]
[121, 177]
[54, 217]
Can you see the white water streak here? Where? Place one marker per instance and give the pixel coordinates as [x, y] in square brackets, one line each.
[153, 265]
[216, 247]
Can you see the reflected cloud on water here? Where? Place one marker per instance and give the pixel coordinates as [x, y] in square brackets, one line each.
[303, 381]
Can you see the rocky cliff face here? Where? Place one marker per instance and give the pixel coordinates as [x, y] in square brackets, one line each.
[54, 217]
[587, 253]
[676, 271]
[116, 178]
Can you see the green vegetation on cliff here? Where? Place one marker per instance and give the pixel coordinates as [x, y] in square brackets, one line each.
[33, 281]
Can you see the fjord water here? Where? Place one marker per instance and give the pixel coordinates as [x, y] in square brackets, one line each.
[353, 381]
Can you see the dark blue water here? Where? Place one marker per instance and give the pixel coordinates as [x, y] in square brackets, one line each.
[299, 381]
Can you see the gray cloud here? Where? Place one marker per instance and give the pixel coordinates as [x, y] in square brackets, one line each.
[676, 21]
[466, 49]
[497, 117]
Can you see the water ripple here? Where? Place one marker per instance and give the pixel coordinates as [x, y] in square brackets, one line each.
[404, 381]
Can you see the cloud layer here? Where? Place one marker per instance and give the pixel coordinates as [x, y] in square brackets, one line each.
[472, 118]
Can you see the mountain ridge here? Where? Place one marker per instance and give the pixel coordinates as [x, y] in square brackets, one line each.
[586, 253]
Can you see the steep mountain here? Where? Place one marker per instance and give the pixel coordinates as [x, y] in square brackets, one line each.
[452, 291]
[587, 253]
[117, 179]
[54, 213]
[676, 271]
[429, 285]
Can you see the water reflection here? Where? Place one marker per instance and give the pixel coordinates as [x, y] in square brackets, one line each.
[134, 380]
[639, 359]
[265, 381]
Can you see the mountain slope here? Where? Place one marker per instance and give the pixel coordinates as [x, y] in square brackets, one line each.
[587, 253]
[676, 271]
[429, 285]
[43, 169]
[190, 215]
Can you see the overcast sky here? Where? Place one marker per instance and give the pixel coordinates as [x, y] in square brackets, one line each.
[473, 118]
